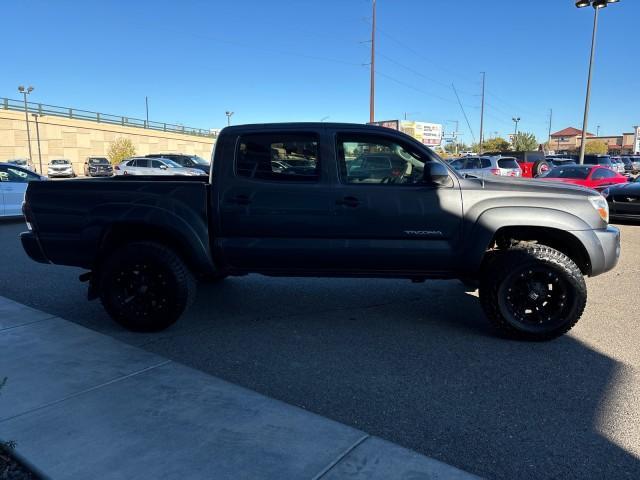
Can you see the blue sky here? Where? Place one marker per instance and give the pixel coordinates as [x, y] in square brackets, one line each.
[303, 60]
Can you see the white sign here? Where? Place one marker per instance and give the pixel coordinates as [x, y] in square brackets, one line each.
[427, 133]
[636, 139]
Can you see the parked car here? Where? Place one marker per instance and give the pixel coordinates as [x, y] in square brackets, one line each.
[13, 184]
[485, 166]
[381, 167]
[604, 160]
[624, 200]
[591, 176]
[632, 163]
[532, 164]
[528, 245]
[97, 167]
[560, 160]
[154, 166]
[617, 165]
[22, 162]
[60, 167]
[188, 161]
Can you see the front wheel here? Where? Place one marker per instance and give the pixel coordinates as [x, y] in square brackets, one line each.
[532, 292]
[145, 286]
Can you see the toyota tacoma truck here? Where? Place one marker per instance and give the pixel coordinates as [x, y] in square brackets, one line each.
[326, 200]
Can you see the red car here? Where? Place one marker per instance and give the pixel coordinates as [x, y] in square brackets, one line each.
[592, 176]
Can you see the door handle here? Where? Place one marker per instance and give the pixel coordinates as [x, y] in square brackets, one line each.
[348, 202]
[241, 200]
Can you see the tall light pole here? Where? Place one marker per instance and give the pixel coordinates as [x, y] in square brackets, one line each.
[372, 87]
[482, 114]
[455, 135]
[516, 120]
[25, 92]
[36, 116]
[229, 114]
[146, 106]
[597, 130]
[597, 5]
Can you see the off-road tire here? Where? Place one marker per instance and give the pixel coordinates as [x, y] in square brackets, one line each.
[506, 269]
[538, 168]
[145, 286]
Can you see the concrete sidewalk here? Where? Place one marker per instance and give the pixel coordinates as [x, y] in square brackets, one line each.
[82, 405]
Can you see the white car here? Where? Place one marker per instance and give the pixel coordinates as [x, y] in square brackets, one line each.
[60, 167]
[13, 184]
[155, 166]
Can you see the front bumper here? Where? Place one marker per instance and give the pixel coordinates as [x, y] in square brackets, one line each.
[603, 248]
[60, 174]
[32, 246]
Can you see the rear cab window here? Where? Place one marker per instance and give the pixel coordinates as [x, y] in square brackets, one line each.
[278, 157]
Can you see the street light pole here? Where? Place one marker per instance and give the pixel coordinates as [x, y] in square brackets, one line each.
[36, 116]
[228, 114]
[372, 87]
[146, 105]
[25, 92]
[597, 5]
[516, 120]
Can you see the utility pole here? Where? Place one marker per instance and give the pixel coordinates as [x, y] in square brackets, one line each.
[482, 114]
[550, 120]
[36, 116]
[146, 104]
[597, 130]
[372, 91]
[25, 92]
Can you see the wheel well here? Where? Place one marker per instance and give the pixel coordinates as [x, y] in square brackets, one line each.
[121, 234]
[560, 240]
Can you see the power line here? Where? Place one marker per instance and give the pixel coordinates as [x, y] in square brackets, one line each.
[463, 112]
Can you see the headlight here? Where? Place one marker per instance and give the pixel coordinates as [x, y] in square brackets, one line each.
[601, 206]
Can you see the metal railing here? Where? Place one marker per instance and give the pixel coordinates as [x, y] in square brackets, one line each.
[68, 112]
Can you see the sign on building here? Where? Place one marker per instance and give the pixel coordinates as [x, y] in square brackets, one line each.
[636, 139]
[426, 133]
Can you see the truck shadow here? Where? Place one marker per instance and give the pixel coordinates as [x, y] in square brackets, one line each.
[414, 364]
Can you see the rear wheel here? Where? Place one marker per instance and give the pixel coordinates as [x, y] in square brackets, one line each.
[145, 286]
[532, 292]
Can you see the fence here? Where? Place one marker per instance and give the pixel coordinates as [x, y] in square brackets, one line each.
[67, 112]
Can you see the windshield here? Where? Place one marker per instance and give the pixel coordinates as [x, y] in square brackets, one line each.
[171, 163]
[98, 161]
[199, 160]
[580, 173]
[59, 162]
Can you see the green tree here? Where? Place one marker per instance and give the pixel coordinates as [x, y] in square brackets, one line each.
[596, 147]
[497, 144]
[120, 149]
[524, 141]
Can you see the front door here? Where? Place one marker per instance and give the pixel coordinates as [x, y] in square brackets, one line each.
[392, 220]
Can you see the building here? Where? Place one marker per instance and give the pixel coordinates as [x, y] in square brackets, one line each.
[429, 134]
[569, 140]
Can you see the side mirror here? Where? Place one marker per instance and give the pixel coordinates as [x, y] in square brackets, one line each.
[436, 174]
[163, 167]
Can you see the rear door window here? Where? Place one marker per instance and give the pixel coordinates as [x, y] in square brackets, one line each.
[279, 156]
[486, 163]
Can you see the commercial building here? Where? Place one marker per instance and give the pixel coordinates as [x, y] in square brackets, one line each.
[569, 140]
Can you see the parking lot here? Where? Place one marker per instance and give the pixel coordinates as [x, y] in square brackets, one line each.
[412, 363]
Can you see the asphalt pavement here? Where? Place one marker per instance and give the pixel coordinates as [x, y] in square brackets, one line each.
[415, 364]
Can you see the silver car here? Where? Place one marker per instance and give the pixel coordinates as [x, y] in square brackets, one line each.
[155, 166]
[486, 166]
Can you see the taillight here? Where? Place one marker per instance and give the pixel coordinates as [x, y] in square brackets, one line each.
[495, 171]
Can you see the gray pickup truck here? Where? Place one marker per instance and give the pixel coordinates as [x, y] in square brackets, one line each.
[326, 200]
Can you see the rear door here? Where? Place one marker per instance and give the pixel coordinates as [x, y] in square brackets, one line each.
[275, 201]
